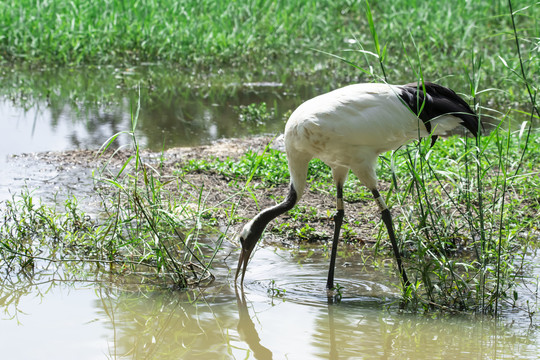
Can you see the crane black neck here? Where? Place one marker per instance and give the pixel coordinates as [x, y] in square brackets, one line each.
[273, 212]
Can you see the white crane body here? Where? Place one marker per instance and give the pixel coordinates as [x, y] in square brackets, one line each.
[363, 115]
[348, 129]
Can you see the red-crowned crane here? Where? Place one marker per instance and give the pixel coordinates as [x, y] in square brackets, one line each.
[348, 129]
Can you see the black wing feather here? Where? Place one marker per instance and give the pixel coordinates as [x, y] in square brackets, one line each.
[440, 100]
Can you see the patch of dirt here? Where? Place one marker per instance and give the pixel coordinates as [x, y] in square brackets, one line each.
[310, 222]
[312, 219]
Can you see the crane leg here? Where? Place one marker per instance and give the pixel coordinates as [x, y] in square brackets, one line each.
[338, 220]
[387, 219]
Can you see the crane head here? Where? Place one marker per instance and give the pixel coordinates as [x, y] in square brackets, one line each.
[252, 231]
[248, 237]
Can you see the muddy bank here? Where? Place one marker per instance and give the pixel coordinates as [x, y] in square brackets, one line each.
[73, 171]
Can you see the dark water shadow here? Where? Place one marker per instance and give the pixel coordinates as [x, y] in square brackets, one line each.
[247, 331]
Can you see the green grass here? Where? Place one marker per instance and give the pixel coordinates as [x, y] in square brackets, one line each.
[203, 32]
[274, 171]
[280, 37]
[465, 223]
[190, 45]
[474, 208]
[463, 247]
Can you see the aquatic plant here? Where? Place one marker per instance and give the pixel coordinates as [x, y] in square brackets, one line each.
[142, 227]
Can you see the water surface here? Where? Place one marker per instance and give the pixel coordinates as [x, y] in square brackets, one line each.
[81, 108]
[95, 320]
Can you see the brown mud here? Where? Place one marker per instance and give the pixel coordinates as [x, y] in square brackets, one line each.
[313, 224]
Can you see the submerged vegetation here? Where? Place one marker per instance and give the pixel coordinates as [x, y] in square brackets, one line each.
[466, 219]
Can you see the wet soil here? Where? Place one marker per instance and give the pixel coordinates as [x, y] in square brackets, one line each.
[312, 224]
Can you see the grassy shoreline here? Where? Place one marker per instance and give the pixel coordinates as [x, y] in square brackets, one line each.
[455, 43]
[442, 38]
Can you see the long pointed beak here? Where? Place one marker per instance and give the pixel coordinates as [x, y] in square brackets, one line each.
[242, 265]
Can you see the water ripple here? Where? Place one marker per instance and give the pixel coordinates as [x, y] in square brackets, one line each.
[311, 290]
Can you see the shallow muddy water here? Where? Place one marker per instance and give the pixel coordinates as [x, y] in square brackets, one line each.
[284, 313]
[72, 109]
[60, 109]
